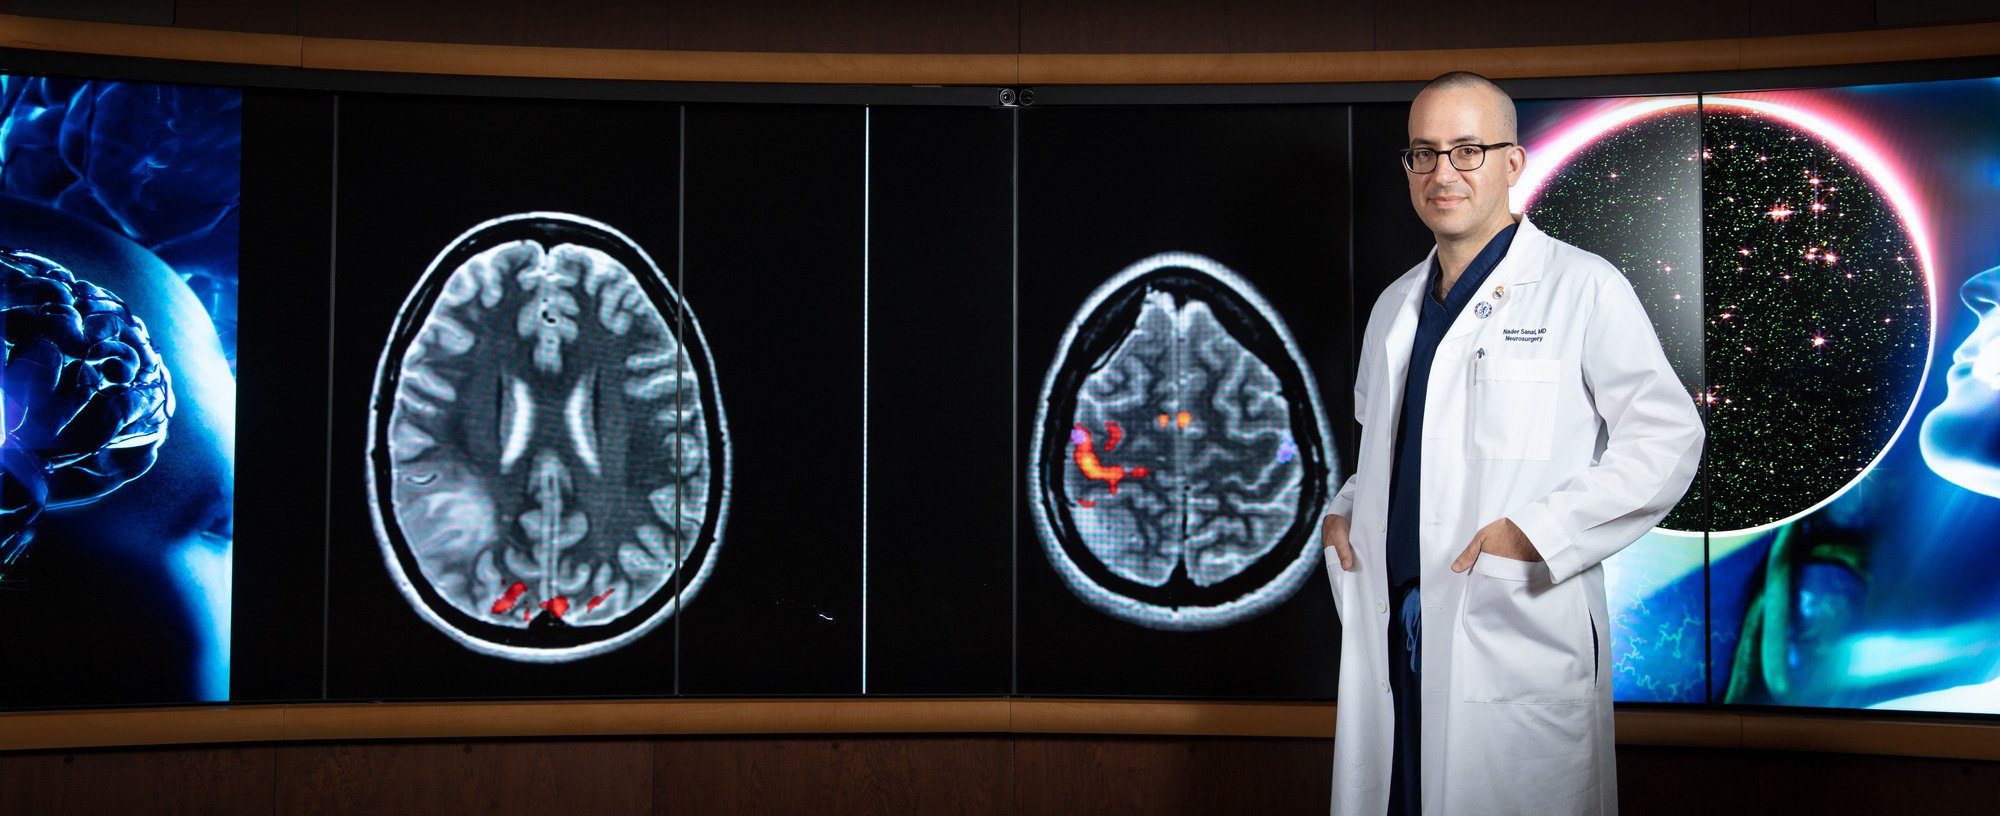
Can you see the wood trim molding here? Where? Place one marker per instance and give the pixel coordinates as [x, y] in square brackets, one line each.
[318, 722]
[1896, 45]
[674, 66]
[199, 45]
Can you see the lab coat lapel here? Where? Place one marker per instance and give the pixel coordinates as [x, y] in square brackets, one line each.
[1523, 264]
[1402, 335]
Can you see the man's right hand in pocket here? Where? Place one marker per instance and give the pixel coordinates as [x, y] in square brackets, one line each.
[1333, 536]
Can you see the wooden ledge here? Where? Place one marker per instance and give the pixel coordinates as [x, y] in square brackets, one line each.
[290, 51]
[1808, 732]
[1748, 53]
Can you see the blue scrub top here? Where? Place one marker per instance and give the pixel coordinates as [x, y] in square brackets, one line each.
[1405, 510]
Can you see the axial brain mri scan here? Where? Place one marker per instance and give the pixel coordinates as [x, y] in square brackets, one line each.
[548, 461]
[1181, 456]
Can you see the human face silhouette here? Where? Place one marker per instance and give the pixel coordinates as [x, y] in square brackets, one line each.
[1961, 437]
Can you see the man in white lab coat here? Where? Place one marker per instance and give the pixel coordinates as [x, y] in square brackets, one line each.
[1520, 424]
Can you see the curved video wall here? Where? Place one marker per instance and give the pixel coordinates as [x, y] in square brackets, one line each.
[569, 398]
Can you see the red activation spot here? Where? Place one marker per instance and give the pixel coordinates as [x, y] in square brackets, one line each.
[1112, 435]
[508, 600]
[599, 599]
[557, 604]
[1086, 503]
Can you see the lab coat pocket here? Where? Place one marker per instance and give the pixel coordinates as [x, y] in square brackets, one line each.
[1337, 578]
[1512, 413]
[1525, 639]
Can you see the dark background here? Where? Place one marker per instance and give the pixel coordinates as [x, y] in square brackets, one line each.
[278, 641]
[941, 476]
[1397, 241]
[773, 269]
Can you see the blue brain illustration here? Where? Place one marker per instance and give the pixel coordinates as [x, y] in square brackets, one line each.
[86, 397]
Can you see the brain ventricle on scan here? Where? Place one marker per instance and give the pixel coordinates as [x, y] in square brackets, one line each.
[548, 461]
[1180, 457]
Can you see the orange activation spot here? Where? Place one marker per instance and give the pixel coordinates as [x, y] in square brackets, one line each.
[1183, 418]
[1094, 469]
[1164, 420]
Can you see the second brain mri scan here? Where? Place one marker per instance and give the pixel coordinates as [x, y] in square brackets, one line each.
[1181, 457]
[548, 463]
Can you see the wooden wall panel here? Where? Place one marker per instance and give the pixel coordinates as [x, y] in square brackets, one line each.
[196, 781]
[1823, 784]
[1773, 18]
[541, 777]
[903, 774]
[142, 12]
[845, 26]
[573, 23]
[1195, 26]
[1680, 781]
[1173, 775]
[1926, 12]
[928, 775]
[260, 16]
[1404, 26]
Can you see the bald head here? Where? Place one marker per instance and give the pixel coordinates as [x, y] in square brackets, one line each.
[1469, 85]
[1463, 199]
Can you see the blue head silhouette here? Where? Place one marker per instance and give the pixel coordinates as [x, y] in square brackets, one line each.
[1961, 437]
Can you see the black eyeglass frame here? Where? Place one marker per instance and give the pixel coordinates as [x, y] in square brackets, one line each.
[1450, 153]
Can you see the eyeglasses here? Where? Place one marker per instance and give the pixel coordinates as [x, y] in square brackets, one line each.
[1464, 158]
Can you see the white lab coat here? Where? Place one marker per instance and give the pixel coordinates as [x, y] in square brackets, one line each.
[1572, 424]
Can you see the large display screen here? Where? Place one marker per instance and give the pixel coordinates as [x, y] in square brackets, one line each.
[595, 398]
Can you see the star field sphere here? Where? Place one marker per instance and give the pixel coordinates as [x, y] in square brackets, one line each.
[1818, 318]
[1633, 196]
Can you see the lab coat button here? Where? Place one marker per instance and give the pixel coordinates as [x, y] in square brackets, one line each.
[1385, 687]
[1382, 607]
